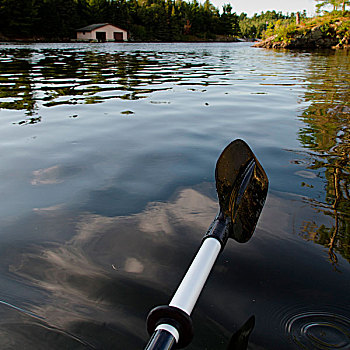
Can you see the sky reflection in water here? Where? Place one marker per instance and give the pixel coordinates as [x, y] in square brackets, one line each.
[108, 175]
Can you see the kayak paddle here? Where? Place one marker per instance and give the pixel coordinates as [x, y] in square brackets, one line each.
[241, 185]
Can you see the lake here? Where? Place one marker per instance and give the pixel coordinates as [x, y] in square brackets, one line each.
[108, 154]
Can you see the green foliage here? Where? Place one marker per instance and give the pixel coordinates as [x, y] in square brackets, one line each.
[160, 20]
[261, 25]
[344, 29]
[145, 19]
[334, 24]
[164, 20]
[284, 30]
[20, 15]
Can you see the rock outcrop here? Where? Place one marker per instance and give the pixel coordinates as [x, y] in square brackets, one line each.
[318, 37]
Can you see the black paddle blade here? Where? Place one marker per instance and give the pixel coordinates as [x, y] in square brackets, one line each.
[241, 184]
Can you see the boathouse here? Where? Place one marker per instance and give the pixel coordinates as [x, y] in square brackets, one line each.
[101, 32]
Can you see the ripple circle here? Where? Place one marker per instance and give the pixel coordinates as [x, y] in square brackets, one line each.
[320, 330]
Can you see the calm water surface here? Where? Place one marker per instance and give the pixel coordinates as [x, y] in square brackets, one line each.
[107, 184]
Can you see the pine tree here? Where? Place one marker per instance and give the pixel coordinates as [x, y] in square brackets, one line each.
[335, 4]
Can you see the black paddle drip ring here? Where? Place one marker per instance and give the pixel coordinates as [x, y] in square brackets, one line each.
[175, 317]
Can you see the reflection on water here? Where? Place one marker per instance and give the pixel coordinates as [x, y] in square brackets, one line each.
[326, 135]
[90, 278]
[100, 287]
[107, 184]
[319, 330]
[20, 331]
[31, 79]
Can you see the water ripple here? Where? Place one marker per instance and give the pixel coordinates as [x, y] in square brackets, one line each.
[319, 330]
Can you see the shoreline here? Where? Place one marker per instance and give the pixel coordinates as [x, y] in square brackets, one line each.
[69, 41]
[124, 43]
[324, 32]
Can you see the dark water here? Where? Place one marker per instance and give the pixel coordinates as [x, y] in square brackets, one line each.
[107, 184]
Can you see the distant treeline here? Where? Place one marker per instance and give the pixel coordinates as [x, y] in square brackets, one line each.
[162, 20]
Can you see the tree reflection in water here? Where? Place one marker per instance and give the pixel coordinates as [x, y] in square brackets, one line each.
[35, 78]
[326, 135]
[31, 78]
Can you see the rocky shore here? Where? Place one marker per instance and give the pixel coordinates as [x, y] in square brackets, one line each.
[325, 36]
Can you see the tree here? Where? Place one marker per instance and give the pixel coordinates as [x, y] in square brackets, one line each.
[335, 4]
[59, 18]
[18, 16]
[344, 3]
[229, 22]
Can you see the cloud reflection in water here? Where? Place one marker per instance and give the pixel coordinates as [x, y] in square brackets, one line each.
[112, 270]
[100, 282]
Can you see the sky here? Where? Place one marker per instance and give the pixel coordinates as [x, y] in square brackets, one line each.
[256, 6]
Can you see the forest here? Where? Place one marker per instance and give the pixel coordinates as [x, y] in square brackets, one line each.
[145, 20]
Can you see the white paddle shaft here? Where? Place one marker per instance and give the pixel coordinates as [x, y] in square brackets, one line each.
[192, 284]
